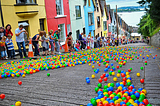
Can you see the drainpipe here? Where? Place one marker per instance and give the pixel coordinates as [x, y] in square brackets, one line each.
[1, 14]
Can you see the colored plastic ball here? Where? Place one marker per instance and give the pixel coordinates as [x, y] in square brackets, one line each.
[2, 96]
[92, 66]
[118, 75]
[20, 82]
[18, 103]
[133, 97]
[96, 89]
[99, 85]
[88, 81]
[48, 74]
[105, 79]
[128, 83]
[122, 74]
[142, 80]
[23, 75]
[100, 80]
[129, 70]
[112, 84]
[141, 68]
[115, 79]
[138, 74]
[93, 76]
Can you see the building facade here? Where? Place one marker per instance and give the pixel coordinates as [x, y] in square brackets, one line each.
[109, 32]
[30, 13]
[77, 17]
[97, 18]
[58, 16]
[89, 6]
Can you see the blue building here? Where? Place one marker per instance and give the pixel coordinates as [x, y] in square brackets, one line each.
[89, 7]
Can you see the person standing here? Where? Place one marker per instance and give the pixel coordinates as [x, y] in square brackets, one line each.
[51, 41]
[8, 30]
[2, 32]
[20, 40]
[81, 40]
[57, 42]
[35, 40]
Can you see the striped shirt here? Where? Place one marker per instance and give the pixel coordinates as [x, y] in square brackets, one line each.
[9, 44]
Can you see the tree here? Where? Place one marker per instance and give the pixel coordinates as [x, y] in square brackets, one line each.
[155, 10]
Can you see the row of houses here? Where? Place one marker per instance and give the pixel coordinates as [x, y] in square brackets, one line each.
[92, 17]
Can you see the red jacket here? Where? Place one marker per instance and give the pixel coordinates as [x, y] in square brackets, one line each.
[8, 32]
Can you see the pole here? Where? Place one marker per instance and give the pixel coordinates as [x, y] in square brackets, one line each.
[117, 25]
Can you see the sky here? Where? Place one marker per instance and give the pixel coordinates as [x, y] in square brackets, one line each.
[122, 3]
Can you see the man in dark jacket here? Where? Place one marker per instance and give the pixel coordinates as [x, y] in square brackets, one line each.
[81, 40]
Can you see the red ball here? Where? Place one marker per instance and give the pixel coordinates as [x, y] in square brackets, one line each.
[2, 96]
[142, 80]
[124, 63]
[145, 61]
[111, 104]
[125, 101]
[100, 80]
[124, 79]
[122, 74]
[124, 83]
[99, 64]
[156, 55]
[100, 90]
[145, 101]
[0, 77]
[101, 76]
[128, 97]
[129, 70]
[110, 92]
[130, 87]
[106, 104]
[124, 105]
[105, 79]
[117, 66]
[104, 74]
[117, 104]
[20, 82]
[137, 57]
[106, 66]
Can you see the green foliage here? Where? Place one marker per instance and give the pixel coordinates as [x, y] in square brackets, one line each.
[147, 25]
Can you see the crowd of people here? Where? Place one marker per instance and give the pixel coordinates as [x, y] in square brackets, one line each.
[50, 41]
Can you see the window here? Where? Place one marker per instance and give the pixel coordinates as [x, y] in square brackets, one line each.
[59, 8]
[78, 11]
[89, 3]
[26, 1]
[105, 25]
[109, 28]
[98, 21]
[62, 35]
[97, 7]
[77, 33]
[41, 23]
[68, 28]
[90, 18]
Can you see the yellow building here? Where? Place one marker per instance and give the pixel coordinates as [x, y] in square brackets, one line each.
[30, 13]
[136, 37]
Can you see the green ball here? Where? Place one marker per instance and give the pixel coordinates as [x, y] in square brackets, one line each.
[114, 99]
[105, 87]
[105, 90]
[132, 58]
[116, 60]
[94, 70]
[124, 98]
[106, 95]
[149, 105]
[133, 97]
[6, 76]
[96, 89]
[99, 85]
[112, 84]
[94, 103]
[118, 95]
[128, 83]
[145, 63]
[119, 71]
[28, 72]
[120, 65]
[114, 94]
[110, 73]
[128, 103]
[18, 75]
[48, 74]
[141, 68]
[130, 68]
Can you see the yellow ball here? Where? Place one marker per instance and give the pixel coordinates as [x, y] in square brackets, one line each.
[105, 102]
[145, 91]
[118, 75]
[92, 66]
[98, 100]
[89, 64]
[13, 75]
[113, 73]
[115, 79]
[109, 84]
[135, 104]
[24, 72]
[120, 88]
[18, 103]
[23, 75]
[97, 62]
[138, 74]
[34, 71]
[102, 99]
[93, 76]
[127, 73]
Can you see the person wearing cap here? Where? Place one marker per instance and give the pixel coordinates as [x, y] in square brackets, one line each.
[20, 40]
[10, 47]
[2, 32]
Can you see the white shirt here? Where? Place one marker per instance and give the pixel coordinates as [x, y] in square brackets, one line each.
[19, 38]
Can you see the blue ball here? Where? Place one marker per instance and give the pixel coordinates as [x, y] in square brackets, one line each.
[122, 85]
[111, 101]
[87, 78]
[89, 104]
[121, 103]
[136, 101]
[108, 67]
[107, 75]
[108, 99]
[116, 97]
[88, 81]
[114, 68]
[111, 64]
[137, 95]
[140, 89]
[117, 84]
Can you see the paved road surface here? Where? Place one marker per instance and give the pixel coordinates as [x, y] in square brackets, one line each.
[67, 86]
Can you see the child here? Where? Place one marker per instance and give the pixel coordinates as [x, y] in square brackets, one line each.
[92, 42]
[3, 48]
[77, 45]
[47, 42]
[11, 51]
